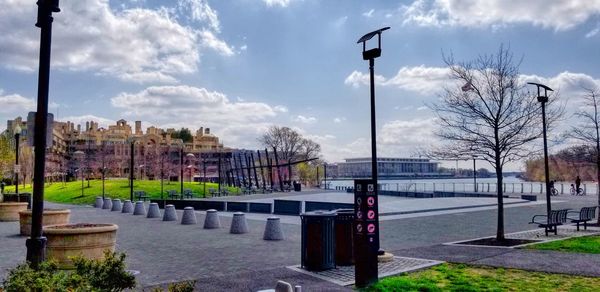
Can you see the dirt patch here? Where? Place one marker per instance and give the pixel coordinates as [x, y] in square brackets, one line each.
[491, 241]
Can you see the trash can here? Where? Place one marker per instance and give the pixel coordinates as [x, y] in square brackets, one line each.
[318, 240]
[344, 242]
[297, 187]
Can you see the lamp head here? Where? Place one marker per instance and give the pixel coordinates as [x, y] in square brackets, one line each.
[17, 129]
[541, 98]
[375, 52]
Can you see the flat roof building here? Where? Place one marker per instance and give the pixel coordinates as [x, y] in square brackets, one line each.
[387, 167]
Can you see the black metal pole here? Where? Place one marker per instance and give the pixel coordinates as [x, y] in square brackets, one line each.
[270, 168]
[278, 172]
[103, 167]
[374, 140]
[318, 184]
[325, 175]
[247, 162]
[546, 170]
[131, 150]
[204, 174]
[242, 169]
[17, 138]
[162, 174]
[219, 171]
[262, 172]
[254, 169]
[181, 172]
[474, 175]
[36, 245]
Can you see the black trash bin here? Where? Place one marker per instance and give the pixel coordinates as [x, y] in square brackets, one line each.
[344, 241]
[297, 187]
[318, 240]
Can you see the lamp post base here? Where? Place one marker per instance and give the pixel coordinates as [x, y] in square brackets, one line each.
[36, 250]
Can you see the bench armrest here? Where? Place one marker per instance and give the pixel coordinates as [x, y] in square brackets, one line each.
[533, 219]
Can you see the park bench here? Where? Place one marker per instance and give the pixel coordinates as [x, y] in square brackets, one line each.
[172, 194]
[187, 193]
[225, 192]
[557, 217]
[583, 216]
[212, 192]
[141, 195]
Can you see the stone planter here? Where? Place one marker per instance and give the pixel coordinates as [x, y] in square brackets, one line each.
[50, 217]
[81, 239]
[9, 211]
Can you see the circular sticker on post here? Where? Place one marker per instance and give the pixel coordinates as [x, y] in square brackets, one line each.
[359, 201]
[359, 228]
[371, 214]
[370, 188]
[359, 215]
[371, 201]
[371, 228]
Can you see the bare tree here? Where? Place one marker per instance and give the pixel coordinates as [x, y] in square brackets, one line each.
[310, 149]
[488, 113]
[588, 130]
[287, 141]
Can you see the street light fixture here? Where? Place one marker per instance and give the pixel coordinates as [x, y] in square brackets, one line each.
[543, 99]
[362, 276]
[131, 141]
[79, 154]
[17, 130]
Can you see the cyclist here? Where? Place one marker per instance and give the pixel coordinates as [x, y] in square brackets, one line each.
[553, 190]
[577, 184]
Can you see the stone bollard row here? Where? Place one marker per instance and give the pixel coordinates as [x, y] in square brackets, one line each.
[189, 216]
[116, 205]
[238, 224]
[139, 208]
[153, 211]
[127, 207]
[212, 220]
[273, 229]
[99, 202]
[107, 204]
[170, 214]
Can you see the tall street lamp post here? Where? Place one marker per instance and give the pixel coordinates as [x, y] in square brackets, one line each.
[79, 154]
[474, 174]
[17, 131]
[36, 244]
[543, 99]
[131, 166]
[364, 271]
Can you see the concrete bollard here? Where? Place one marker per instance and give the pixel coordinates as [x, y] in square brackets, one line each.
[127, 207]
[116, 205]
[212, 219]
[273, 229]
[170, 214]
[139, 208]
[107, 204]
[189, 216]
[238, 223]
[99, 202]
[153, 211]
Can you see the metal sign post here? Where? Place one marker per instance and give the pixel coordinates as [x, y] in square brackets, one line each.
[366, 232]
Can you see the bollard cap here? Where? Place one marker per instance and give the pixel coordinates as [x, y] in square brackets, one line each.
[273, 218]
[188, 208]
[238, 214]
[211, 211]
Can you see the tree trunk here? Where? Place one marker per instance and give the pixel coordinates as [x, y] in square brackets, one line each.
[500, 191]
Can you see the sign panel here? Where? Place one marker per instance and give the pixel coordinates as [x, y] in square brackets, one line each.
[366, 232]
[31, 129]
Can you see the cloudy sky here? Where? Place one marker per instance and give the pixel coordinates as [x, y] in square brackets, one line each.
[239, 66]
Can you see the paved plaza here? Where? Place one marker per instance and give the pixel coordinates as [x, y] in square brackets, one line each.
[163, 252]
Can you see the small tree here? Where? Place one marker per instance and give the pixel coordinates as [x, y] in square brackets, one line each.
[588, 131]
[7, 157]
[487, 113]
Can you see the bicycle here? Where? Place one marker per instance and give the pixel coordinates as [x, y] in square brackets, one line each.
[553, 191]
[579, 192]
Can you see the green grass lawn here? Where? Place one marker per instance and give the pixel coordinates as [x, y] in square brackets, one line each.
[457, 277]
[584, 244]
[70, 192]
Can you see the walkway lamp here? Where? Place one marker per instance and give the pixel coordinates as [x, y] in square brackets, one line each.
[364, 277]
[131, 142]
[543, 99]
[80, 154]
[17, 130]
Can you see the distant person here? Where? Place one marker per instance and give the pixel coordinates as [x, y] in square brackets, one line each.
[2, 185]
[553, 191]
[577, 184]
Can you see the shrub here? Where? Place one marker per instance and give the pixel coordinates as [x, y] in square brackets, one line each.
[107, 274]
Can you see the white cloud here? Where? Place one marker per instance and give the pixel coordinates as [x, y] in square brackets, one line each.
[369, 13]
[557, 15]
[568, 84]
[137, 44]
[305, 120]
[593, 32]
[80, 120]
[15, 104]
[186, 106]
[280, 3]
[338, 120]
[201, 11]
[421, 79]
[404, 136]
[338, 23]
